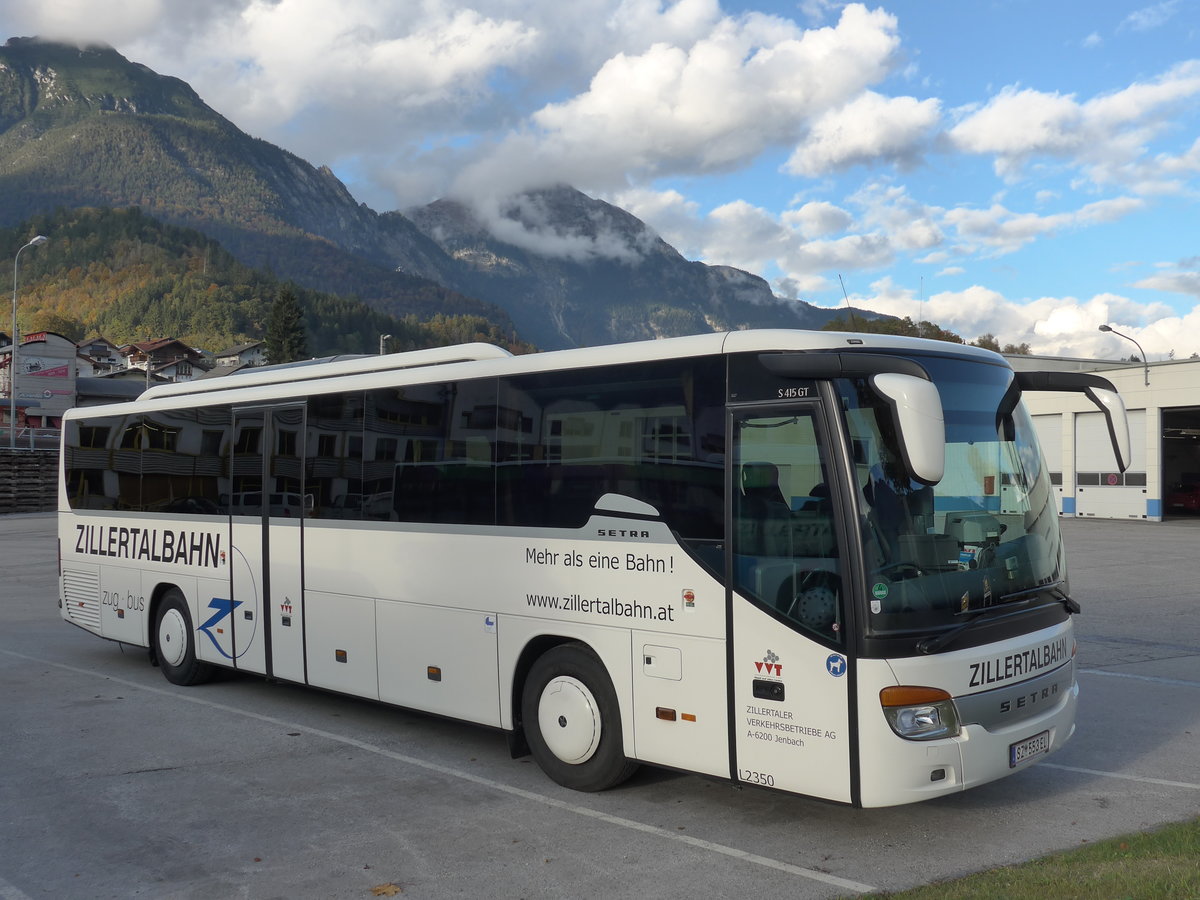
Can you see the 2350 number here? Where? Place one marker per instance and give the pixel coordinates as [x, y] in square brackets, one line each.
[762, 778]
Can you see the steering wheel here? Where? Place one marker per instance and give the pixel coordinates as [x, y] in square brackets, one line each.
[814, 603]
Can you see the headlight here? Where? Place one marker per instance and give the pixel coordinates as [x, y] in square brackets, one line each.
[919, 713]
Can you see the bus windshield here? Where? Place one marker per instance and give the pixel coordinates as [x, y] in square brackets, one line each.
[985, 535]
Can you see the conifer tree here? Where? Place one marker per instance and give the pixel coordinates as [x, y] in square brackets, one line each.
[286, 339]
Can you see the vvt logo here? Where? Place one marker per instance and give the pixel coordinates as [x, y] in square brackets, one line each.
[835, 665]
[223, 609]
[770, 664]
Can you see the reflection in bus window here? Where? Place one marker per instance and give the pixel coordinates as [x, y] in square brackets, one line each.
[333, 471]
[431, 456]
[784, 544]
[655, 433]
[982, 536]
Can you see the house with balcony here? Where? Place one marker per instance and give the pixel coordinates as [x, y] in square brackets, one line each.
[252, 354]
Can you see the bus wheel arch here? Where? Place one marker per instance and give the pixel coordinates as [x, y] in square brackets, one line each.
[173, 638]
[571, 718]
[517, 743]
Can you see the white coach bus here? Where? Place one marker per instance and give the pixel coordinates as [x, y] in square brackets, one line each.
[823, 563]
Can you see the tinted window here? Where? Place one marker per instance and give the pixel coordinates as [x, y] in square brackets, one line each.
[182, 470]
[432, 451]
[285, 467]
[167, 462]
[784, 540]
[333, 461]
[654, 432]
[93, 479]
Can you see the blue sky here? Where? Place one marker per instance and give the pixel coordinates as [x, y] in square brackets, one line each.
[1026, 169]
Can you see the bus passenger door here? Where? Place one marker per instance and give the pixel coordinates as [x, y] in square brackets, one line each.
[791, 674]
[266, 513]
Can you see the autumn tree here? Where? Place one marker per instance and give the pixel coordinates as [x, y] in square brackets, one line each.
[904, 327]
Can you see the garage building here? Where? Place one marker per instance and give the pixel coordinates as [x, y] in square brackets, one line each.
[1163, 401]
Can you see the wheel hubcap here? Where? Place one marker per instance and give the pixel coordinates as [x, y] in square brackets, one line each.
[172, 638]
[569, 720]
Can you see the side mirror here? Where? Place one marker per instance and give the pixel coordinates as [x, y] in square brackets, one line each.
[1110, 403]
[1100, 391]
[920, 424]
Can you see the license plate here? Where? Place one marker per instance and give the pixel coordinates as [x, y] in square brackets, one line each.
[1029, 748]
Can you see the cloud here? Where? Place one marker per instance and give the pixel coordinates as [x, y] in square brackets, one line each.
[880, 222]
[77, 21]
[888, 208]
[713, 105]
[1175, 282]
[869, 129]
[1052, 326]
[530, 221]
[999, 231]
[1150, 17]
[1105, 137]
[818, 218]
[1018, 123]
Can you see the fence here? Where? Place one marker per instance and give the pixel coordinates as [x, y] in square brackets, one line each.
[31, 438]
[28, 480]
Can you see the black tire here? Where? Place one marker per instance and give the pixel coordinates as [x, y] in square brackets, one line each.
[175, 642]
[572, 720]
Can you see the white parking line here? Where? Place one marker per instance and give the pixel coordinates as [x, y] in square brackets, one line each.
[8, 892]
[812, 874]
[1139, 778]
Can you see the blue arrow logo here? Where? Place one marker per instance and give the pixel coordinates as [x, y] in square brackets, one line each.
[223, 608]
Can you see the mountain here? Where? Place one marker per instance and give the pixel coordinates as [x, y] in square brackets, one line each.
[85, 127]
[578, 271]
[129, 277]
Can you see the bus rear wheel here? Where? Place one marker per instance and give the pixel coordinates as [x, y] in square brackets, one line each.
[175, 642]
[572, 720]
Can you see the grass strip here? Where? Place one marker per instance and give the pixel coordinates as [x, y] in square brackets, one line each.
[1164, 863]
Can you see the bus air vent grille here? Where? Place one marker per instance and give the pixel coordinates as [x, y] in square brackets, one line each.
[81, 593]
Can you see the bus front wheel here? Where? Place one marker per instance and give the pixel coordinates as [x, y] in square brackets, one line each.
[572, 720]
[175, 643]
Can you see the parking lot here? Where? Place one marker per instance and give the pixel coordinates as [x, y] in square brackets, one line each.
[119, 784]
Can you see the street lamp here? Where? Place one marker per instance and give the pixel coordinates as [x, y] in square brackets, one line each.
[383, 339]
[1145, 365]
[12, 356]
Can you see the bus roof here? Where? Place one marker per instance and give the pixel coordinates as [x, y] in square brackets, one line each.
[479, 360]
[311, 370]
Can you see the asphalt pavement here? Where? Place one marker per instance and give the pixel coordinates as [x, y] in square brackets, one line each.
[119, 784]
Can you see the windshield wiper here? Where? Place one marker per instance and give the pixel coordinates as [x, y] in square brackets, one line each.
[936, 642]
[1056, 591]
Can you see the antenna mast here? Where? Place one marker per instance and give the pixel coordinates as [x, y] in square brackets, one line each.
[853, 321]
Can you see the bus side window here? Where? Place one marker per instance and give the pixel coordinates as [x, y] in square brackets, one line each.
[333, 464]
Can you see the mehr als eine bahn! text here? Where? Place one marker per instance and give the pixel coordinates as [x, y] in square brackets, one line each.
[822, 563]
